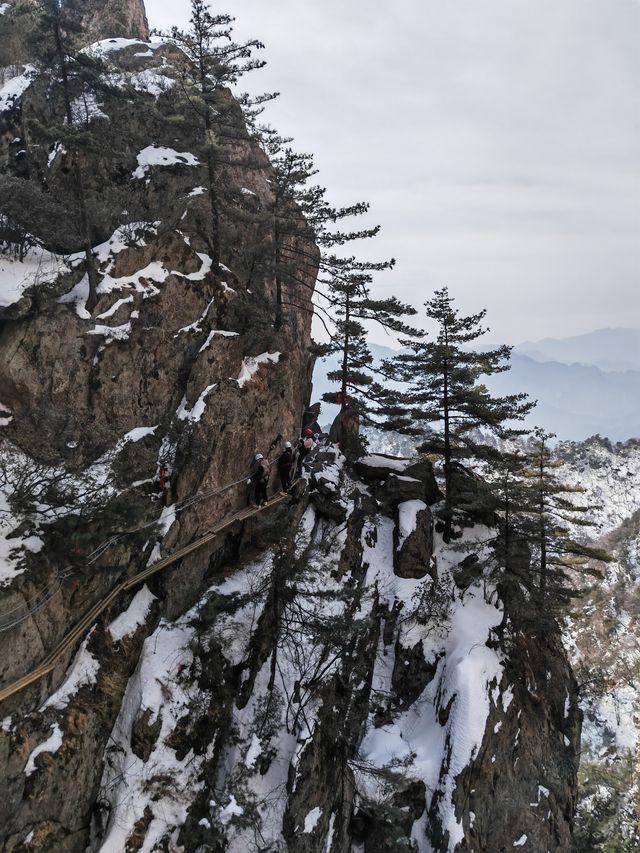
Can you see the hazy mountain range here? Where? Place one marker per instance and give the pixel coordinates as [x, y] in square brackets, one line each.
[611, 350]
[584, 385]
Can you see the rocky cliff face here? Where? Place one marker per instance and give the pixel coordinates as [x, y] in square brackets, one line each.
[329, 677]
[99, 19]
[115, 19]
[178, 364]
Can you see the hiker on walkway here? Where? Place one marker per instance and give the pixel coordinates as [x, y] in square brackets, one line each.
[305, 446]
[285, 466]
[259, 480]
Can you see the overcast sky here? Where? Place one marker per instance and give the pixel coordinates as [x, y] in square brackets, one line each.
[498, 142]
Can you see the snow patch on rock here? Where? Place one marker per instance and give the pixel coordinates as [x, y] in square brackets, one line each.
[15, 88]
[408, 519]
[82, 673]
[135, 615]
[51, 745]
[251, 365]
[159, 155]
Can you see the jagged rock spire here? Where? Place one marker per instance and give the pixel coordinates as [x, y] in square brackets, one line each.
[116, 18]
[110, 18]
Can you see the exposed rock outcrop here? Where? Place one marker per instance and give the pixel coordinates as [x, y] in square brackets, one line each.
[472, 496]
[115, 19]
[395, 478]
[413, 555]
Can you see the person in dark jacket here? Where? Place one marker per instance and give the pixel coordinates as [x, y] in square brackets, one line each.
[305, 446]
[259, 480]
[285, 466]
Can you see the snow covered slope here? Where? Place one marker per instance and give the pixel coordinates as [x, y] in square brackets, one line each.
[602, 636]
[325, 694]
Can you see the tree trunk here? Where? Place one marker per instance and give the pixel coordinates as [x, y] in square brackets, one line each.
[448, 509]
[542, 529]
[277, 323]
[92, 272]
[345, 353]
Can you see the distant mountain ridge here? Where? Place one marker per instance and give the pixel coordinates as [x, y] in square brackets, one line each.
[576, 398]
[575, 401]
[609, 349]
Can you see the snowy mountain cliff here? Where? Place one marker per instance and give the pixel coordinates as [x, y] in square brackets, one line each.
[325, 674]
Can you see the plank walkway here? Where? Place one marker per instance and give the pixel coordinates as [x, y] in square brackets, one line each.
[81, 627]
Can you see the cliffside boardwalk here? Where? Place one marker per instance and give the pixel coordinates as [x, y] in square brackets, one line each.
[81, 627]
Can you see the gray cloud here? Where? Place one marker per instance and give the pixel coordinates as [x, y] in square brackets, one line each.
[497, 142]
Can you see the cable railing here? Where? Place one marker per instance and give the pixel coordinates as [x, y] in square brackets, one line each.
[89, 618]
[14, 616]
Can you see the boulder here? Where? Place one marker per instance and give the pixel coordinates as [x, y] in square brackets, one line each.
[397, 489]
[467, 572]
[471, 495]
[325, 483]
[413, 540]
[325, 473]
[328, 506]
[422, 469]
[378, 467]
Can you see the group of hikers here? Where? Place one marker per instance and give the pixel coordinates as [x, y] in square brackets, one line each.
[286, 461]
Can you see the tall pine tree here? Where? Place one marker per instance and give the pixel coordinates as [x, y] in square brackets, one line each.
[291, 259]
[213, 62]
[363, 388]
[446, 389]
[550, 515]
[76, 78]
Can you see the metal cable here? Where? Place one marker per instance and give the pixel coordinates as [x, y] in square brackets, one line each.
[5, 626]
[95, 555]
[101, 549]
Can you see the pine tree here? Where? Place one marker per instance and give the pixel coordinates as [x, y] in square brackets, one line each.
[506, 479]
[537, 549]
[290, 221]
[213, 61]
[300, 213]
[56, 42]
[445, 388]
[550, 518]
[364, 389]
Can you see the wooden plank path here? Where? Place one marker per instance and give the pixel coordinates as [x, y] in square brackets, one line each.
[81, 627]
